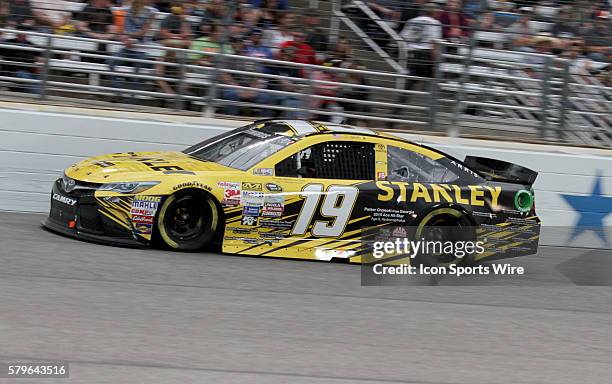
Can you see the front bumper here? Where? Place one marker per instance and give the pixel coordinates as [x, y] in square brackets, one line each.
[77, 214]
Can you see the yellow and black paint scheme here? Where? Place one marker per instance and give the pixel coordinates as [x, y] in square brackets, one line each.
[260, 212]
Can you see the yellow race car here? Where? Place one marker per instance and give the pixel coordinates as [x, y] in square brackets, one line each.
[295, 189]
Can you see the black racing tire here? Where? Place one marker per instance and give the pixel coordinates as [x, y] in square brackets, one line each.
[445, 225]
[188, 221]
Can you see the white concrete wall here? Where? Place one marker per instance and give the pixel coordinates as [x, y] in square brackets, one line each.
[38, 142]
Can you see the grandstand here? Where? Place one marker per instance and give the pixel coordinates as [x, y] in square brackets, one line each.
[523, 70]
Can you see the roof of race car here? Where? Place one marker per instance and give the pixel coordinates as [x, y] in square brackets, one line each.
[300, 128]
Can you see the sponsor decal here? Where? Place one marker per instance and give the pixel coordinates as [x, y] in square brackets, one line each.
[153, 199]
[272, 210]
[379, 147]
[145, 205]
[249, 210]
[228, 184]
[252, 198]
[388, 215]
[142, 219]
[155, 164]
[474, 195]
[263, 171]
[276, 224]
[64, 199]
[143, 229]
[488, 215]
[143, 213]
[103, 164]
[245, 240]
[249, 221]
[251, 186]
[274, 199]
[257, 133]
[274, 187]
[271, 235]
[242, 231]
[231, 193]
[464, 168]
[521, 221]
[192, 184]
[399, 232]
[381, 176]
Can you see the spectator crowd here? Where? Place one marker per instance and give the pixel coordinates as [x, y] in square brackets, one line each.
[578, 30]
[260, 29]
[273, 29]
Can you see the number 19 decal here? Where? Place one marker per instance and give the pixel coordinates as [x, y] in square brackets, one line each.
[338, 203]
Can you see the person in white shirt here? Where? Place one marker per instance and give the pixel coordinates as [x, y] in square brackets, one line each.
[51, 13]
[274, 37]
[421, 34]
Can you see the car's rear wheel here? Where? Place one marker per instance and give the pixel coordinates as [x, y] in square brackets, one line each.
[446, 225]
[188, 221]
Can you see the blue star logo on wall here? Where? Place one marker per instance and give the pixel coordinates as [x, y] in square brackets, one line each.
[592, 209]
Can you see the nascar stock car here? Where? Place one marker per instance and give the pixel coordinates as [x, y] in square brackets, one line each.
[294, 189]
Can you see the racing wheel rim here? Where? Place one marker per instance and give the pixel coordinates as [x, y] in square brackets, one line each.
[185, 219]
[429, 230]
[188, 221]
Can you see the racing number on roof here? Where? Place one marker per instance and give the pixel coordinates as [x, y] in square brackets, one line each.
[336, 209]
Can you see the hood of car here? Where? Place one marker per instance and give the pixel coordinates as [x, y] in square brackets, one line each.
[139, 166]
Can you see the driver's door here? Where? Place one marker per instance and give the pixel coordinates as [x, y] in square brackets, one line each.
[325, 186]
[313, 206]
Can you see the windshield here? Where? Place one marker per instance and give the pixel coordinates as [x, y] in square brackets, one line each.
[242, 148]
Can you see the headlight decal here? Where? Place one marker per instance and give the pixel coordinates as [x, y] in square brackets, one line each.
[133, 187]
[68, 183]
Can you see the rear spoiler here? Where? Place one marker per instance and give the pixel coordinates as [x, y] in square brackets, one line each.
[498, 170]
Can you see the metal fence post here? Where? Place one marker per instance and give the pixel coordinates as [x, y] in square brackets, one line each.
[308, 99]
[453, 129]
[220, 61]
[434, 93]
[564, 105]
[45, 73]
[545, 101]
[403, 63]
[334, 22]
[180, 87]
[209, 109]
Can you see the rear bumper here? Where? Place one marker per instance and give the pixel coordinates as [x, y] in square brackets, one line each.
[77, 215]
[520, 237]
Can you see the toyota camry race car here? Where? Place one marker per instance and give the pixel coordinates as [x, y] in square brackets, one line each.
[294, 189]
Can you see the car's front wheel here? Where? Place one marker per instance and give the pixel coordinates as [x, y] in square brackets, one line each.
[188, 221]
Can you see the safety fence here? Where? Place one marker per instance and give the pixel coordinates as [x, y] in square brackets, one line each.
[477, 91]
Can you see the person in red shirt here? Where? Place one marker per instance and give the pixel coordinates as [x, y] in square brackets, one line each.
[454, 22]
[303, 52]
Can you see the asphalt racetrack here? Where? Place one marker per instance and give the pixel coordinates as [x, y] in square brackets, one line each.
[148, 316]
